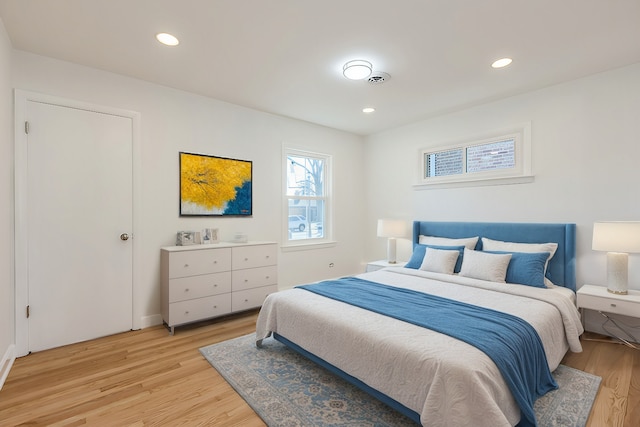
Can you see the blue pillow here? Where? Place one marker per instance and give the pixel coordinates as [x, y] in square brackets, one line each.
[419, 251]
[416, 258]
[526, 268]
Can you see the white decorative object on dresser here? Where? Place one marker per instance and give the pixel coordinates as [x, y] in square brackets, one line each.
[205, 281]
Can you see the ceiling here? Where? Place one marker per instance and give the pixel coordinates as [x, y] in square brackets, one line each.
[286, 56]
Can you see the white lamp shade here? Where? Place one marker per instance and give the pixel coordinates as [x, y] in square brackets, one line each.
[616, 236]
[391, 228]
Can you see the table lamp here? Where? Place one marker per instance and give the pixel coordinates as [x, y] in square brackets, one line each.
[391, 228]
[618, 239]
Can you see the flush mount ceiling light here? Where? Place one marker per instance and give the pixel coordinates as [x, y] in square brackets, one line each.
[500, 63]
[368, 110]
[167, 39]
[357, 70]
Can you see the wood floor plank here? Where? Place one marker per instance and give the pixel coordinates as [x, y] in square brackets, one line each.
[150, 378]
[632, 417]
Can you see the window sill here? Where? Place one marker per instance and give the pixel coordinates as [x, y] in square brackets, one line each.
[307, 246]
[475, 183]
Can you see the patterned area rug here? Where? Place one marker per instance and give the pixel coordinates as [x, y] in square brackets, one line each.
[286, 389]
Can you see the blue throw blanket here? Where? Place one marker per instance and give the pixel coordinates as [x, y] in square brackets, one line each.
[512, 344]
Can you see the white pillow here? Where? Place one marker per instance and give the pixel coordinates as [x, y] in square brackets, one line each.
[439, 260]
[484, 266]
[498, 245]
[469, 242]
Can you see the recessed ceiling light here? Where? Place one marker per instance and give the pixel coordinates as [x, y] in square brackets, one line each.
[368, 110]
[357, 70]
[502, 62]
[167, 39]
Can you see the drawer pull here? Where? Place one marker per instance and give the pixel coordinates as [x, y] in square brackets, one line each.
[246, 300]
[267, 256]
[186, 266]
[246, 259]
[215, 285]
[613, 305]
[267, 277]
[215, 307]
[215, 261]
[186, 312]
[186, 289]
[246, 280]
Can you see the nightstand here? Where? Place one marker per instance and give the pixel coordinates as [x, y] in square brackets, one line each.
[597, 298]
[377, 265]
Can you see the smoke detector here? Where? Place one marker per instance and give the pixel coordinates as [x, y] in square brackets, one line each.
[378, 77]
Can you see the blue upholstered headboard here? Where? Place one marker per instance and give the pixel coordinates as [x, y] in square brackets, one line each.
[562, 267]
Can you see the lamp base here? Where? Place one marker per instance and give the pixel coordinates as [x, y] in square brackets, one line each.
[391, 250]
[617, 273]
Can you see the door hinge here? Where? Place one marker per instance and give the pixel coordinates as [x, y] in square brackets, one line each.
[26, 128]
[27, 312]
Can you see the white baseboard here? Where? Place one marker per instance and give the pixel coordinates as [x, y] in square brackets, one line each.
[153, 320]
[6, 363]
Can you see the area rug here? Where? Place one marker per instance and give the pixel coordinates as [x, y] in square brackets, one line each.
[286, 389]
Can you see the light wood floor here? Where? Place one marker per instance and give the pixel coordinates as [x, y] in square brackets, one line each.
[148, 378]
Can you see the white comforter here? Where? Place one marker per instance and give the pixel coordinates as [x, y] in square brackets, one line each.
[446, 381]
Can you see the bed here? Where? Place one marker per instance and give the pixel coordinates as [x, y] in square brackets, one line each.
[369, 328]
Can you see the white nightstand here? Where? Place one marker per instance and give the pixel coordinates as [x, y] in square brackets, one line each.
[597, 298]
[377, 265]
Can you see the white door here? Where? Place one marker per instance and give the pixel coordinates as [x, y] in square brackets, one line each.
[79, 220]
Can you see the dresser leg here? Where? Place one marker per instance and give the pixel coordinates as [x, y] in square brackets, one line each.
[169, 328]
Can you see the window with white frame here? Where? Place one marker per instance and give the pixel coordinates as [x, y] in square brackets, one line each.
[307, 202]
[503, 158]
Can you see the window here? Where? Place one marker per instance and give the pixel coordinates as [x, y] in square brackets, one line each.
[503, 158]
[307, 196]
[444, 163]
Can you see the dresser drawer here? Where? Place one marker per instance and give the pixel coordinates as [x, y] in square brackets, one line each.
[198, 309]
[205, 285]
[254, 256]
[254, 278]
[196, 262]
[609, 305]
[251, 298]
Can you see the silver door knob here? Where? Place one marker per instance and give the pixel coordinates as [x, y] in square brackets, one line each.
[124, 236]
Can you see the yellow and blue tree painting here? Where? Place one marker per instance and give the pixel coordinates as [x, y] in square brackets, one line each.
[214, 185]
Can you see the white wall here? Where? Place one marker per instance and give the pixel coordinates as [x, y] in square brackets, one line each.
[586, 161]
[6, 196]
[174, 121]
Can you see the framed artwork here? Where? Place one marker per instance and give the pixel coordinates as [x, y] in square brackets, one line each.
[187, 238]
[209, 235]
[215, 186]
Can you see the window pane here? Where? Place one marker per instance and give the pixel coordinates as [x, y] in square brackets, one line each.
[305, 176]
[443, 163]
[306, 219]
[488, 157]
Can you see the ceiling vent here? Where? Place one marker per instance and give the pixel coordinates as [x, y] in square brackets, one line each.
[378, 77]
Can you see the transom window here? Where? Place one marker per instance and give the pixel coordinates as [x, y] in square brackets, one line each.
[498, 159]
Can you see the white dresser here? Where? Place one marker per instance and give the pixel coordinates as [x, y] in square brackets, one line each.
[204, 281]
